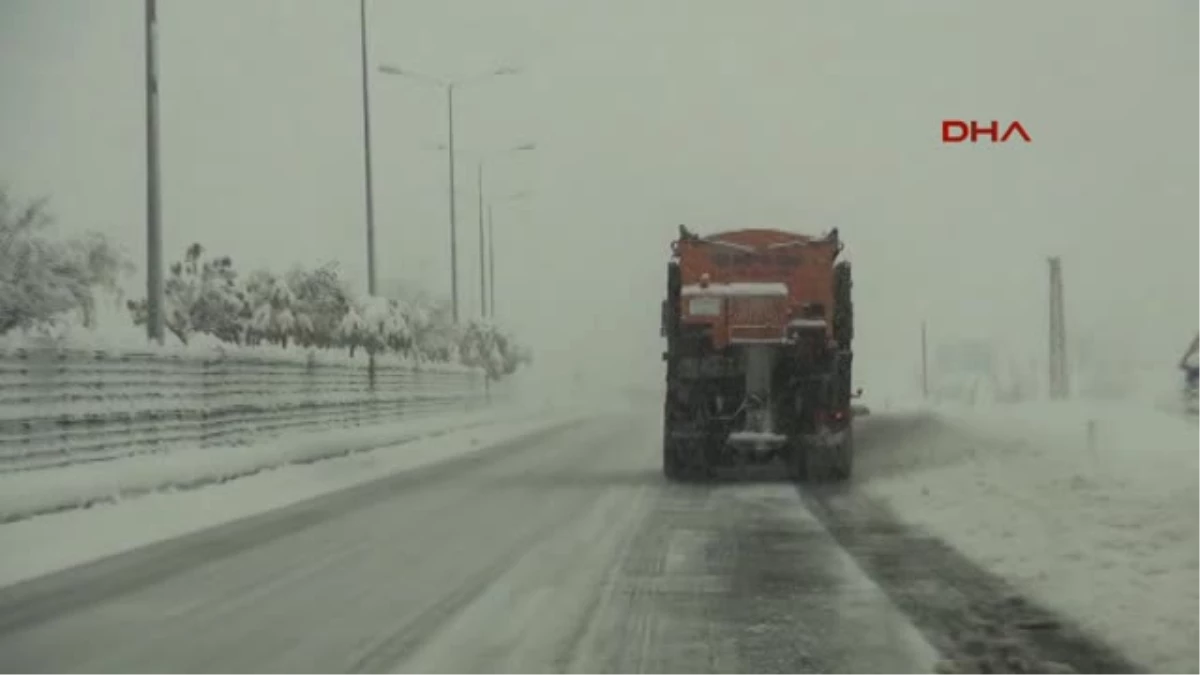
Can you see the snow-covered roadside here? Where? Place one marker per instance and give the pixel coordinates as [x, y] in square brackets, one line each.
[1091, 508]
[53, 542]
[32, 493]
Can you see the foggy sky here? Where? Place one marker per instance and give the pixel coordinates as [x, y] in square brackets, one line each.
[798, 114]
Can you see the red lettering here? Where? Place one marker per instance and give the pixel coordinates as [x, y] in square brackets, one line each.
[1015, 126]
[959, 126]
[957, 131]
[991, 130]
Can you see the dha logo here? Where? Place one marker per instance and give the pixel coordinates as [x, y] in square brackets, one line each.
[957, 131]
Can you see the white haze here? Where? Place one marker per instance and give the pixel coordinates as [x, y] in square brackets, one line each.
[720, 114]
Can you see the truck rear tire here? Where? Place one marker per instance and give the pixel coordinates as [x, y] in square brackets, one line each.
[678, 468]
[672, 469]
[828, 464]
[843, 456]
[820, 465]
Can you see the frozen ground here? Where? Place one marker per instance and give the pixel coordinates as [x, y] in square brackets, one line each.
[89, 511]
[1091, 508]
[562, 552]
[572, 530]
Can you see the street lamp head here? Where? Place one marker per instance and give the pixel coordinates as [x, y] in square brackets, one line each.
[420, 77]
[507, 70]
[526, 147]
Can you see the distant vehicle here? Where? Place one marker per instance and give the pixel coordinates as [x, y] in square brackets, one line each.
[759, 325]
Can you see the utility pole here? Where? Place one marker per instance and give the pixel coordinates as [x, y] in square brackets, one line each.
[924, 365]
[1059, 386]
[491, 265]
[453, 214]
[483, 267]
[370, 189]
[155, 319]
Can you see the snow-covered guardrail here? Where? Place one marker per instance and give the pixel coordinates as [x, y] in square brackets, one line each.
[66, 406]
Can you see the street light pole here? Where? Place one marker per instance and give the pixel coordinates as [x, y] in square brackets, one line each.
[370, 191]
[483, 308]
[453, 210]
[924, 365]
[486, 278]
[155, 319]
[491, 265]
[450, 86]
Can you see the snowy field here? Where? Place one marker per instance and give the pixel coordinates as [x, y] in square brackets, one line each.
[1091, 508]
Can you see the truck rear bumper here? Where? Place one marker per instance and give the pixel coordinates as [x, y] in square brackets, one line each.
[744, 441]
[758, 441]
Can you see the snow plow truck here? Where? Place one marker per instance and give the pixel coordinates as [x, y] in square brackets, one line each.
[758, 325]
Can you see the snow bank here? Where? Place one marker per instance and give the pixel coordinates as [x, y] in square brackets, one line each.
[204, 347]
[1090, 507]
[59, 407]
[54, 542]
[1163, 389]
[30, 493]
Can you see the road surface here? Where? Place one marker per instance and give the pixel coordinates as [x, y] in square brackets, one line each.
[563, 552]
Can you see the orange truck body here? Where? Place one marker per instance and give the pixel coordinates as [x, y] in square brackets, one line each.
[754, 286]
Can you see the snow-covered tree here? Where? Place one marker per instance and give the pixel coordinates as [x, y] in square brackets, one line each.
[271, 310]
[315, 308]
[384, 326]
[510, 354]
[436, 337]
[321, 301]
[43, 279]
[352, 331]
[485, 345]
[201, 296]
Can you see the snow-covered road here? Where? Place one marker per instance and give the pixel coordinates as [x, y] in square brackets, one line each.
[562, 550]
[1088, 507]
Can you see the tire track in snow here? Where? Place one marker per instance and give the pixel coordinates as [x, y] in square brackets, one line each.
[978, 621]
[741, 578]
[393, 651]
[385, 653]
[32, 602]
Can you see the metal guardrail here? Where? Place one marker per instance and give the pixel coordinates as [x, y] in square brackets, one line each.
[60, 407]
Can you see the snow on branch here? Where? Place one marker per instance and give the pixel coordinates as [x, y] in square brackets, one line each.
[209, 303]
[44, 280]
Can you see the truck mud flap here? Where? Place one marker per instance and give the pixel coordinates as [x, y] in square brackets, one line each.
[826, 439]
